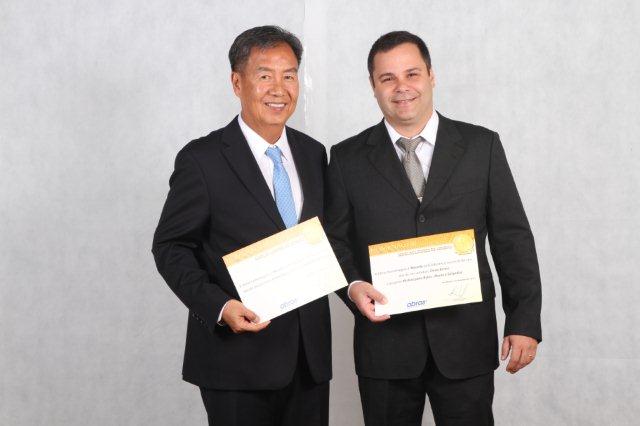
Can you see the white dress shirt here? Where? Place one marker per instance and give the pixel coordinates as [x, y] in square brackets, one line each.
[258, 147]
[424, 150]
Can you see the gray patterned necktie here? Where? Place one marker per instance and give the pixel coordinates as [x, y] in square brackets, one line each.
[412, 165]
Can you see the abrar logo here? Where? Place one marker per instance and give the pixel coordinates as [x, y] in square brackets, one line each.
[287, 303]
[415, 303]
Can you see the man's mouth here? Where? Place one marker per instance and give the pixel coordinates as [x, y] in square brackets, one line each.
[276, 106]
[403, 101]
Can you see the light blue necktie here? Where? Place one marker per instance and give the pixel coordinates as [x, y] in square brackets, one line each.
[282, 188]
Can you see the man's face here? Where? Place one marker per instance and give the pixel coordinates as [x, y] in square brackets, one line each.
[403, 86]
[267, 86]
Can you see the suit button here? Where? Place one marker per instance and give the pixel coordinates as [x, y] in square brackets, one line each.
[422, 219]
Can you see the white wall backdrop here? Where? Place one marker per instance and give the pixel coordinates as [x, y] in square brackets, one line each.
[96, 98]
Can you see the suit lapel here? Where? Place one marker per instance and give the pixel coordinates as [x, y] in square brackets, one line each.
[385, 159]
[447, 152]
[304, 167]
[240, 158]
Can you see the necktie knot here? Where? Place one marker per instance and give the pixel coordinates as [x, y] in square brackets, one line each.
[409, 145]
[275, 154]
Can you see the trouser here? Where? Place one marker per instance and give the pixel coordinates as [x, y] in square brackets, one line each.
[301, 402]
[397, 402]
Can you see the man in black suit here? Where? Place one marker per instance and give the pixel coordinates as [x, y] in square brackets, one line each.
[242, 183]
[419, 173]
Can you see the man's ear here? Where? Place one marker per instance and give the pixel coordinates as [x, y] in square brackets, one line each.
[373, 85]
[432, 77]
[235, 82]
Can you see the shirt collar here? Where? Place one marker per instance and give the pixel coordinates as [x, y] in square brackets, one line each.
[259, 145]
[428, 133]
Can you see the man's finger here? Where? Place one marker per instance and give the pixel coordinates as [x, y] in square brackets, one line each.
[512, 367]
[237, 327]
[366, 306]
[254, 328]
[376, 296]
[506, 345]
[250, 315]
[380, 318]
[371, 314]
[527, 357]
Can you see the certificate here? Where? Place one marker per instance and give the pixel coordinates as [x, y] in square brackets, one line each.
[286, 270]
[426, 272]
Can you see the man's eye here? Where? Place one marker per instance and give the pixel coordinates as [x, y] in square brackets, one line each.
[384, 80]
[264, 77]
[289, 77]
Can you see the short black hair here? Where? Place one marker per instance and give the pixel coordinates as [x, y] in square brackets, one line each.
[264, 37]
[393, 39]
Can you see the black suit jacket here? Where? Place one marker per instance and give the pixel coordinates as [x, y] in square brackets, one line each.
[370, 200]
[219, 202]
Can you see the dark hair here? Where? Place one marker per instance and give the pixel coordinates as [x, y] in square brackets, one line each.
[394, 39]
[264, 37]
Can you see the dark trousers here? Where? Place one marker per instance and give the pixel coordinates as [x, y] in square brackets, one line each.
[301, 402]
[400, 402]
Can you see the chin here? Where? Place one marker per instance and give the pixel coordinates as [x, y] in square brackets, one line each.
[277, 121]
[406, 117]
[278, 117]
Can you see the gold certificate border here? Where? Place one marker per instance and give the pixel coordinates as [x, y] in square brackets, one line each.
[463, 238]
[311, 229]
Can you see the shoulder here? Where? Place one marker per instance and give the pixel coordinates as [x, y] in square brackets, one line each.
[202, 145]
[469, 131]
[354, 144]
[305, 140]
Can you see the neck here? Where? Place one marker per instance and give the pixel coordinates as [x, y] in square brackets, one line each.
[409, 130]
[269, 132]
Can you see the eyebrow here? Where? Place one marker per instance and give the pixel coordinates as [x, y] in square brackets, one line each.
[272, 70]
[386, 74]
[390, 74]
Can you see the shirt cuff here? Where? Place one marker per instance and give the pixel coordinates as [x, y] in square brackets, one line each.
[220, 322]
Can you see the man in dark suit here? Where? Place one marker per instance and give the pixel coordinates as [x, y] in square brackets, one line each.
[242, 183]
[419, 173]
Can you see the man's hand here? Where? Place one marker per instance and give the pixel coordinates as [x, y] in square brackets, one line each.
[523, 351]
[240, 319]
[364, 295]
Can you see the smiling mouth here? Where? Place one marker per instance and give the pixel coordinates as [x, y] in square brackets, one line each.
[276, 106]
[404, 101]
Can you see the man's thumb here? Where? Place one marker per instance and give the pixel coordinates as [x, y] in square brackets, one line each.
[506, 345]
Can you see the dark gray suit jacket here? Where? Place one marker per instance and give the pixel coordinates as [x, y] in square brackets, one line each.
[370, 200]
[219, 202]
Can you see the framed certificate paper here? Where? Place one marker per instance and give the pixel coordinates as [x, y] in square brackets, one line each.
[426, 272]
[286, 270]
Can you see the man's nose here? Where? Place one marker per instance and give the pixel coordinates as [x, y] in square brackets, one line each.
[276, 89]
[401, 86]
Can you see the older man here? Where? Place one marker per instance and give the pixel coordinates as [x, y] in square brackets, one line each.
[239, 184]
